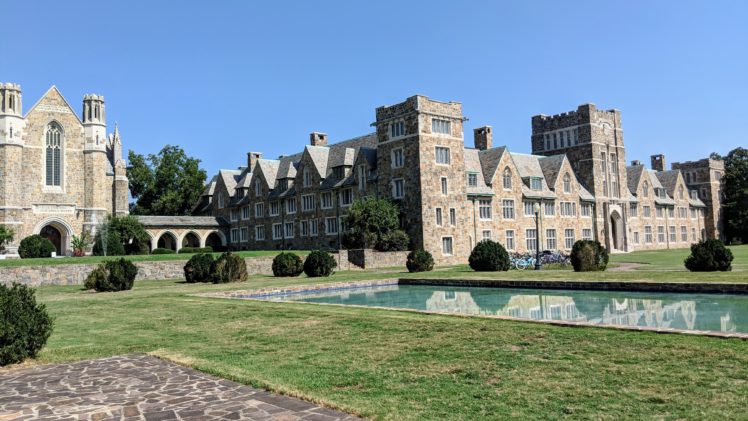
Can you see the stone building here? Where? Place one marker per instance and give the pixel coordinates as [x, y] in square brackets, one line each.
[575, 182]
[705, 178]
[60, 173]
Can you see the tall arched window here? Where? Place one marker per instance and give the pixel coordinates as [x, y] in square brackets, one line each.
[567, 183]
[507, 178]
[258, 187]
[54, 162]
[680, 192]
[645, 189]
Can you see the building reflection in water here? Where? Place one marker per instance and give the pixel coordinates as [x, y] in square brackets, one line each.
[597, 310]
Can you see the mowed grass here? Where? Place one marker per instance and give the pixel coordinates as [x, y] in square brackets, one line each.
[398, 365]
[139, 258]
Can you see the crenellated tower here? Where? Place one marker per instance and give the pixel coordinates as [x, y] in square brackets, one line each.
[97, 202]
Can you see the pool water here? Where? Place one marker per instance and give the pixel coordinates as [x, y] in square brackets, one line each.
[712, 312]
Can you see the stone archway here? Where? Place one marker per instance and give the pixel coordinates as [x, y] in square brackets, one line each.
[216, 240]
[58, 232]
[167, 240]
[616, 231]
[191, 240]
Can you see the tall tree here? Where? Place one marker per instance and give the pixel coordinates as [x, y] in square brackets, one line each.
[735, 190]
[168, 183]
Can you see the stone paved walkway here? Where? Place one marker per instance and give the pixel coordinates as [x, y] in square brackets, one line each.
[141, 387]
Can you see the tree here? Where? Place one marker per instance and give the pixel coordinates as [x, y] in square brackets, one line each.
[375, 223]
[168, 183]
[735, 193]
[124, 235]
[6, 236]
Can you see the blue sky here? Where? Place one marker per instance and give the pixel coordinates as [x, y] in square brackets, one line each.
[221, 78]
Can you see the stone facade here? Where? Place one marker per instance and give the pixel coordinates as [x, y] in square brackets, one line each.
[704, 178]
[60, 175]
[576, 183]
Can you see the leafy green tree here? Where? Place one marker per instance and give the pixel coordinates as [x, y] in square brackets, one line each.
[6, 236]
[375, 223]
[735, 191]
[124, 235]
[168, 183]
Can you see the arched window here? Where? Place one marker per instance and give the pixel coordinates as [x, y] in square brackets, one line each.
[507, 178]
[307, 177]
[54, 163]
[258, 187]
[645, 189]
[680, 192]
[567, 183]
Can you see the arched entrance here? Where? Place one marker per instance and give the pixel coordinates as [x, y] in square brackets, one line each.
[191, 240]
[167, 241]
[215, 241]
[616, 230]
[53, 235]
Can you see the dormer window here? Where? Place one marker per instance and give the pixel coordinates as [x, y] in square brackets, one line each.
[472, 179]
[283, 184]
[536, 183]
[567, 183]
[397, 129]
[338, 172]
[258, 187]
[307, 177]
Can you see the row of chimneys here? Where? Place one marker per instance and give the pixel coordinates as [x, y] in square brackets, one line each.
[657, 162]
[315, 139]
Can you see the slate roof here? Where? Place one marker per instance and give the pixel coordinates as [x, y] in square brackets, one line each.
[528, 166]
[473, 165]
[669, 180]
[551, 167]
[181, 221]
[489, 161]
[633, 175]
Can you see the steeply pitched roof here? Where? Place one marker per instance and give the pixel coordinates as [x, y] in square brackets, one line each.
[287, 166]
[633, 175]
[489, 161]
[669, 180]
[319, 156]
[269, 168]
[551, 167]
[230, 178]
[473, 165]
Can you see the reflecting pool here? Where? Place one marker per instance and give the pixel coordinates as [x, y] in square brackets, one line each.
[713, 312]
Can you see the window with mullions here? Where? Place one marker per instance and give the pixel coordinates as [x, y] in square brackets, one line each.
[54, 163]
[441, 126]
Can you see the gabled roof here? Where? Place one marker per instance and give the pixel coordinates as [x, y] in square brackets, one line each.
[473, 165]
[528, 166]
[210, 188]
[230, 178]
[269, 168]
[489, 162]
[669, 180]
[287, 166]
[54, 88]
[551, 167]
[318, 155]
[633, 175]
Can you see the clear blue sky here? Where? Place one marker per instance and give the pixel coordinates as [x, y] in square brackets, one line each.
[221, 78]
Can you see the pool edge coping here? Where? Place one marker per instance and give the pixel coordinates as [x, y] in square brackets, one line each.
[261, 295]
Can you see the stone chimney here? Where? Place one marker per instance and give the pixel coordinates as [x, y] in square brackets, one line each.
[483, 137]
[635, 162]
[318, 139]
[252, 158]
[658, 162]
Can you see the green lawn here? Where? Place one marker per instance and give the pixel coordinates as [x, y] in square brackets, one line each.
[143, 258]
[400, 365]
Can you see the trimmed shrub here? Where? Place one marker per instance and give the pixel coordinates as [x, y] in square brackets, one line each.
[319, 263]
[709, 256]
[588, 256]
[35, 246]
[25, 325]
[396, 240]
[287, 264]
[114, 246]
[489, 255]
[198, 267]
[228, 268]
[419, 261]
[163, 251]
[112, 276]
[188, 250]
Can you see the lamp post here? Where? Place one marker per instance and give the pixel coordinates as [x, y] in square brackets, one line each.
[536, 209]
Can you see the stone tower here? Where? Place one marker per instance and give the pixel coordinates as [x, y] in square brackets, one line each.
[592, 140]
[120, 189]
[12, 127]
[97, 184]
[420, 143]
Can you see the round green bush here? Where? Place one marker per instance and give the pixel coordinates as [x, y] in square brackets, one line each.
[396, 240]
[489, 256]
[709, 256]
[112, 276]
[319, 263]
[162, 251]
[287, 264]
[25, 325]
[35, 246]
[589, 256]
[228, 268]
[198, 267]
[419, 261]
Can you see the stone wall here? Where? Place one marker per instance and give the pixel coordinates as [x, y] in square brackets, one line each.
[75, 274]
